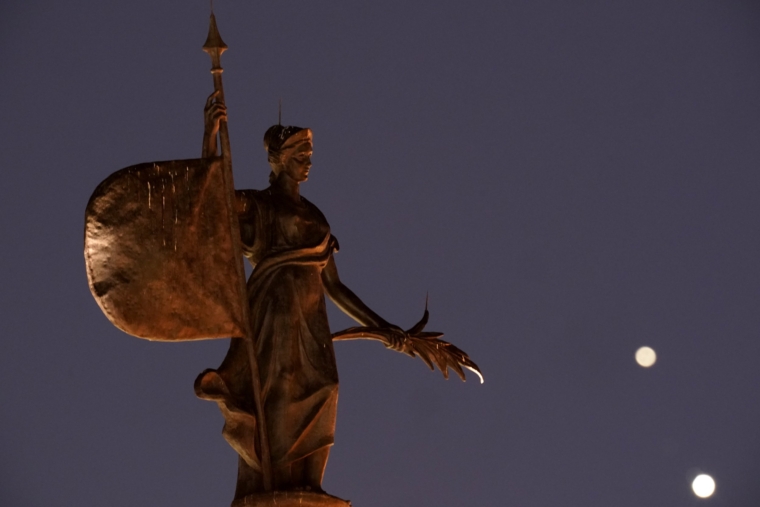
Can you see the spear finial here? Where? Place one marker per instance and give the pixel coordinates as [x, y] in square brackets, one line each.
[214, 41]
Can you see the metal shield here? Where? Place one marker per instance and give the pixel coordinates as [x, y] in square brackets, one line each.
[160, 254]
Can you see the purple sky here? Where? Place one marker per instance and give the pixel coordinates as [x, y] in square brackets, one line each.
[568, 180]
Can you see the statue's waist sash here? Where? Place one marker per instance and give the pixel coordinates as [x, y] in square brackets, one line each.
[311, 256]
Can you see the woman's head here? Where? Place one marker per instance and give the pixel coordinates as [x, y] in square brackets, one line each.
[289, 151]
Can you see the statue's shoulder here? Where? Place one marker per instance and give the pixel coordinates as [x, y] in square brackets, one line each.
[313, 208]
[248, 200]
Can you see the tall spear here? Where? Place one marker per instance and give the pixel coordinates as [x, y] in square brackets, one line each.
[215, 46]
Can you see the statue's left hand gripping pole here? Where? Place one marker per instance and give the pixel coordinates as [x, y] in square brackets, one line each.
[214, 46]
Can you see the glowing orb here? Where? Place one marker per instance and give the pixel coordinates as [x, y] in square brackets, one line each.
[703, 486]
[646, 357]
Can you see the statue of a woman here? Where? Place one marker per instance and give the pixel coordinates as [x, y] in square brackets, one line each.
[162, 265]
[288, 241]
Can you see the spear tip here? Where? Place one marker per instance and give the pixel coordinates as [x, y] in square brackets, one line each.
[214, 40]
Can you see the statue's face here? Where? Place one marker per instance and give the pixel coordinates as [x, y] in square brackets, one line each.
[296, 159]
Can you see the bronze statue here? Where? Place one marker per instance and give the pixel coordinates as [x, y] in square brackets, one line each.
[164, 244]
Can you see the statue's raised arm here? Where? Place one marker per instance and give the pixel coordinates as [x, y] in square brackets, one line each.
[213, 114]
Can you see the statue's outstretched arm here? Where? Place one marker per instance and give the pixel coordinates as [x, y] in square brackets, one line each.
[345, 299]
[415, 342]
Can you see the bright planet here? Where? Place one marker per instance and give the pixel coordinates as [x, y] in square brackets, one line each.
[646, 357]
[703, 486]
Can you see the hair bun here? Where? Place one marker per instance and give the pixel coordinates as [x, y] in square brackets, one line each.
[276, 135]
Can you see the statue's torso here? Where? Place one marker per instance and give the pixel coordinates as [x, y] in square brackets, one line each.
[271, 223]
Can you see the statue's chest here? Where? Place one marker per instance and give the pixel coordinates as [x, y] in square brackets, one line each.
[298, 226]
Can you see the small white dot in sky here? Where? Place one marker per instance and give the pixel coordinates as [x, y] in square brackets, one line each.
[703, 486]
[646, 357]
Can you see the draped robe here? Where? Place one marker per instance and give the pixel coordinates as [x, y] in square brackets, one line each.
[289, 244]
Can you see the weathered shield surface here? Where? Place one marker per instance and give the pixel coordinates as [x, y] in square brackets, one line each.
[160, 253]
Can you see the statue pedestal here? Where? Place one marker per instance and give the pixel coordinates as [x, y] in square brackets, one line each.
[291, 499]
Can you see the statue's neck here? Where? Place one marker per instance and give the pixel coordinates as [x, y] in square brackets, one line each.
[287, 186]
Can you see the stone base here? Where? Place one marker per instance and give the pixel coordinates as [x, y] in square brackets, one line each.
[291, 499]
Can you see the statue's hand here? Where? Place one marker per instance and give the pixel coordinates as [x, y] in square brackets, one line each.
[213, 113]
[397, 338]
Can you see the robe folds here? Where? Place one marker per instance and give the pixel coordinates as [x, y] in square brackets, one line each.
[289, 244]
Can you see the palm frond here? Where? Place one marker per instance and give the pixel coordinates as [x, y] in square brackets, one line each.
[417, 343]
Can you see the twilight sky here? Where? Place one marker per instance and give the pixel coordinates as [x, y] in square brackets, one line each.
[568, 180]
